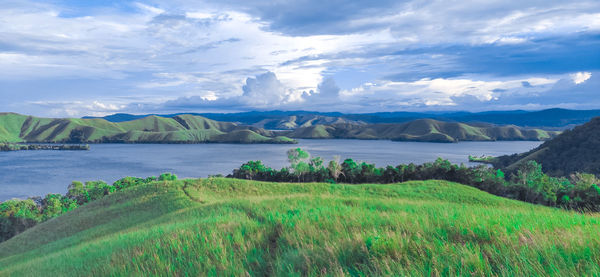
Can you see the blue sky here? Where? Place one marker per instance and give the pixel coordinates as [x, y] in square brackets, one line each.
[75, 58]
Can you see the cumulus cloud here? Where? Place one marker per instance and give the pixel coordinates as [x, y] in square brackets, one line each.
[265, 90]
[580, 77]
[262, 92]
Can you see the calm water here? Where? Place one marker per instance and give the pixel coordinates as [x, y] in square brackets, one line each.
[31, 173]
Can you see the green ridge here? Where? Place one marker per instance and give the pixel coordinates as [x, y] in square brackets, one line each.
[151, 129]
[422, 130]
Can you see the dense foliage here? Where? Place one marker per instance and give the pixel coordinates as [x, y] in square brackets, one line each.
[528, 183]
[18, 215]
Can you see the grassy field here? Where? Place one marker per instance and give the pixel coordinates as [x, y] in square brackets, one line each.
[235, 227]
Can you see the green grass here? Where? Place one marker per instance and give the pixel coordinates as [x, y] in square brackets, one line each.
[231, 227]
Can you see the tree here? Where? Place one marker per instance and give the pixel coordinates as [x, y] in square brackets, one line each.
[539, 187]
[77, 192]
[128, 182]
[334, 168]
[297, 155]
[76, 136]
[350, 170]
[167, 177]
[391, 174]
[52, 206]
[97, 189]
[251, 170]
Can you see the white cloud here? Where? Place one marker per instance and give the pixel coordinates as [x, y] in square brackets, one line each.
[580, 77]
[439, 91]
[78, 108]
[207, 51]
[266, 91]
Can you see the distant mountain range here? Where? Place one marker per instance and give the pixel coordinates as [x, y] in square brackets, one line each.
[550, 119]
[150, 129]
[426, 130]
[576, 150]
[187, 128]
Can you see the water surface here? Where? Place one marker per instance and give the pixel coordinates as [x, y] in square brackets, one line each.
[31, 173]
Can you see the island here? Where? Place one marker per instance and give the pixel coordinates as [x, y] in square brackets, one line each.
[18, 147]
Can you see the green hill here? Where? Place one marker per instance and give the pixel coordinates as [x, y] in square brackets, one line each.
[234, 227]
[302, 120]
[150, 129]
[576, 150]
[422, 130]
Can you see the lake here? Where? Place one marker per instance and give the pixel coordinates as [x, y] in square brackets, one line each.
[33, 173]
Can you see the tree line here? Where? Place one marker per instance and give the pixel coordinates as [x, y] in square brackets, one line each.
[528, 183]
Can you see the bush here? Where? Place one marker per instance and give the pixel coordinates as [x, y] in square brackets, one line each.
[167, 177]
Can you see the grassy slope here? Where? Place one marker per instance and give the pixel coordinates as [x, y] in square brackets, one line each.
[422, 130]
[179, 129]
[10, 127]
[230, 227]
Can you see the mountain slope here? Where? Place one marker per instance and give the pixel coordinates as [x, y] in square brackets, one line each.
[550, 118]
[576, 150]
[296, 121]
[235, 227]
[156, 129]
[422, 130]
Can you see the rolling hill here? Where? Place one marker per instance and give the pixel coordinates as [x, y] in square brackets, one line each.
[235, 227]
[422, 130]
[576, 150]
[150, 129]
[299, 121]
[555, 119]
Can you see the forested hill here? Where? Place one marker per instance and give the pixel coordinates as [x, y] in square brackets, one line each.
[576, 150]
[150, 129]
[422, 130]
[549, 118]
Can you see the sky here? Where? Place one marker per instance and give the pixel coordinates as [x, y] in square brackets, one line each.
[72, 58]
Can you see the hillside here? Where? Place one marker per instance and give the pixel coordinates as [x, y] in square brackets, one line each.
[299, 121]
[150, 129]
[557, 119]
[422, 130]
[576, 150]
[235, 227]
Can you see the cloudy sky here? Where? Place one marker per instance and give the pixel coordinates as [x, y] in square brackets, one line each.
[75, 58]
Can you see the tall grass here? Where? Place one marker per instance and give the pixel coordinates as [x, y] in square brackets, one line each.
[230, 227]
